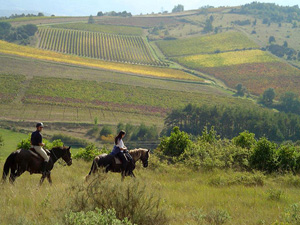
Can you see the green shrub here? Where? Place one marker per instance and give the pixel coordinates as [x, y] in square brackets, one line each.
[274, 194]
[287, 158]
[220, 154]
[245, 140]
[70, 141]
[96, 217]
[176, 144]
[264, 156]
[88, 153]
[105, 131]
[217, 217]
[131, 199]
[292, 214]
[26, 143]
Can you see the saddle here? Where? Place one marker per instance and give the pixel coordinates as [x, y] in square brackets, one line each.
[117, 161]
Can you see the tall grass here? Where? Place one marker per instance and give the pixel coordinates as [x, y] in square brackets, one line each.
[186, 195]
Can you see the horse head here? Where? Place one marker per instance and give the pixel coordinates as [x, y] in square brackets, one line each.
[67, 155]
[64, 153]
[145, 156]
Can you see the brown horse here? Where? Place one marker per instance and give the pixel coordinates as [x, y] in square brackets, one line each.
[109, 163]
[22, 160]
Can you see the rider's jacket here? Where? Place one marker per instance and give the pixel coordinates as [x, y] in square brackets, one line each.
[36, 138]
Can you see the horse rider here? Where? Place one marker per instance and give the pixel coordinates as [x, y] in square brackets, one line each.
[120, 150]
[37, 144]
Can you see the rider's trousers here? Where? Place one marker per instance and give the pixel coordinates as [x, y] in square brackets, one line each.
[42, 152]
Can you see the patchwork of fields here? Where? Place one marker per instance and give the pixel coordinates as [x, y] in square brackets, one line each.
[117, 48]
[9, 87]
[13, 49]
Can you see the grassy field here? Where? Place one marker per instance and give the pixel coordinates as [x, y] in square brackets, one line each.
[226, 59]
[11, 139]
[109, 47]
[9, 87]
[110, 29]
[13, 49]
[206, 44]
[106, 96]
[187, 195]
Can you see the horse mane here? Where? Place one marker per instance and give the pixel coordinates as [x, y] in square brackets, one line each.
[138, 152]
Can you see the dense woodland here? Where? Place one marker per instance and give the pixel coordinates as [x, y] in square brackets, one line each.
[270, 12]
[230, 121]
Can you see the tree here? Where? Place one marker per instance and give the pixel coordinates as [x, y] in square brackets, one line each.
[264, 156]
[4, 29]
[245, 140]
[208, 26]
[30, 29]
[178, 8]
[176, 144]
[211, 18]
[285, 44]
[268, 96]
[254, 22]
[241, 90]
[100, 13]
[272, 39]
[91, 20]
[40, 14]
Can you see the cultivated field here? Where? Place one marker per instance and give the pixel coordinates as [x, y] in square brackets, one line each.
[116, 48]
[13, 49]
[206, 44]
[226, 59]
[110, 29]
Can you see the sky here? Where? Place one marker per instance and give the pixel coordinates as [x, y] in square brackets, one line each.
[91, 7]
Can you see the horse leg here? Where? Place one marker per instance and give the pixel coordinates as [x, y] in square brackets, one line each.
[12, 177]
[42, 179]
[49, 178]
[132, 174]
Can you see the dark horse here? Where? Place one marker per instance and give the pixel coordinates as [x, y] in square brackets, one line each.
[22, 160]
[109, 163]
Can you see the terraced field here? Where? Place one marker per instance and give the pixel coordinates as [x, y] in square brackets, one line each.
[206, 44]
[116, 48]
[25, 51]
[110, 29]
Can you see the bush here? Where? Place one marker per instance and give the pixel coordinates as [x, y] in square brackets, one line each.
[245, 140]
[70, 141]
[217, 217]
[221, 154]
[274, 194]
[105, 131]
[25, 143]
[176, 144]
[88, 153]
[287, 158]
[97, 217]
[264, 156]
[131, 199]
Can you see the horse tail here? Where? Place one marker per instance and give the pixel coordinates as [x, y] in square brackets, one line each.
[7, 165]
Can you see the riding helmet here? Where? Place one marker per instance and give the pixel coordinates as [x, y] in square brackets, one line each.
[39, 125]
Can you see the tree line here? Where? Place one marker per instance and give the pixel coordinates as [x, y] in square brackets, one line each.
[230, 121]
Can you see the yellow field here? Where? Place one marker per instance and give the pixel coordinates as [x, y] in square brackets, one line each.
[226, 59]
[9, 48]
